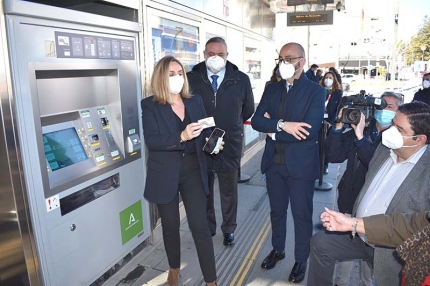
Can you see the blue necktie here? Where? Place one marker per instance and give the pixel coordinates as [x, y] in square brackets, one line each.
[214, 82]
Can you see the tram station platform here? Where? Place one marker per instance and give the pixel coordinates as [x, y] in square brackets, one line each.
[238, 264]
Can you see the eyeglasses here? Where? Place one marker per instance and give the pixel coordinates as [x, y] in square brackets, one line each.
[286, 60]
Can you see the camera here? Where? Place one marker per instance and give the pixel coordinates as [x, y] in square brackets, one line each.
[360, 103]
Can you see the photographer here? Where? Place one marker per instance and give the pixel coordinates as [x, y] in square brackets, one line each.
[357, 145]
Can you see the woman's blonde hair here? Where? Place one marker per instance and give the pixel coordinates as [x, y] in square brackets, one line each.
[160, 81]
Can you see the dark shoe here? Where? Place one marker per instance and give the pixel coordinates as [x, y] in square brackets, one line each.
[270, 261]
[213, 233]
[298, 273]
[228, 239]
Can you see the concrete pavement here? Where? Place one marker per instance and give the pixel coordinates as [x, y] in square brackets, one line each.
[240, 264]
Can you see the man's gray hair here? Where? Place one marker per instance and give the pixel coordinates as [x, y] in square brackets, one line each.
[216, 40]
[398, 96]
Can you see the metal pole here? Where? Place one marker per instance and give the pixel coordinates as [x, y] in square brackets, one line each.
[309, 45]
[319, 184]
[394, 50]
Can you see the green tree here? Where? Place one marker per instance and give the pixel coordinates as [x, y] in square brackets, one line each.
[418, 43]
[403, 48]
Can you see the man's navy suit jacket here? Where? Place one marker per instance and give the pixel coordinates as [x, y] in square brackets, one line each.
[304, 103]
[165, 149]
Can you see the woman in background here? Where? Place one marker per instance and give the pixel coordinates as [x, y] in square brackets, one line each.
[177, 164]
[334, 95]
[333, 98]
[276, 76]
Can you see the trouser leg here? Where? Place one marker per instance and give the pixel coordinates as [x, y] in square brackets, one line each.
[194, 198]
[210, 209]
[343, 273]
[366, 274]
[169, 214]
[301, 197]
[278, 198]
[327, 248]
[228, 192]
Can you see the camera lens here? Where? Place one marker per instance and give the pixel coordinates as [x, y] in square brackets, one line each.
[351, 116]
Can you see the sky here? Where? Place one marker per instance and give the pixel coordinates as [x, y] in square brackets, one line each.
[411, 15]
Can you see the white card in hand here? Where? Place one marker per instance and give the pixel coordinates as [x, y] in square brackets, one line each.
[207, 122]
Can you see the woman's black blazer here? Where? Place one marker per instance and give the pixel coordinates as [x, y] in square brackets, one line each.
[165, 149]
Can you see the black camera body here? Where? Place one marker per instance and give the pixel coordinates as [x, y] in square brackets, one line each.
[360, 103]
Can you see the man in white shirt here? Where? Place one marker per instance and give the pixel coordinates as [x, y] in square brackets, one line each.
[398, 180]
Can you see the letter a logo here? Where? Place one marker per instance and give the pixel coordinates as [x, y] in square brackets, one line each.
[132, 219]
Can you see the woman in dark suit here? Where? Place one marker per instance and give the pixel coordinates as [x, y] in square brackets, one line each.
[333, 97]
[177, 164]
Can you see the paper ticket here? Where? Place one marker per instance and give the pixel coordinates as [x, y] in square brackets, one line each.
[207, 122]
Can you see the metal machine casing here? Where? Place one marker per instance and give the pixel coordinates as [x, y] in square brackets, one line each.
[77, 107]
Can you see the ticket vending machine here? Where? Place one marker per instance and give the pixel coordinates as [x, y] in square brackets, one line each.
[76, 89]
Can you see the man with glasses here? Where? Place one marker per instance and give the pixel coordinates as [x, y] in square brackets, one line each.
[398, 180]
[291, 112]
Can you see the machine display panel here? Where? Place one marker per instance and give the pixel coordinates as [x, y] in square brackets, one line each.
[63, 148]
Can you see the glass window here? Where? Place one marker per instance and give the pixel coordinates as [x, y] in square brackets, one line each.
[252, 67]
[173, 38]
[214, 30]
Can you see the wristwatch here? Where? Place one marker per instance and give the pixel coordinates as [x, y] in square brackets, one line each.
[281, 124]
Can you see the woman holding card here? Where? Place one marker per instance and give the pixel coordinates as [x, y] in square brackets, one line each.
[177, 164]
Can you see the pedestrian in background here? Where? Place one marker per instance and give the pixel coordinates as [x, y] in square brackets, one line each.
[311, 73]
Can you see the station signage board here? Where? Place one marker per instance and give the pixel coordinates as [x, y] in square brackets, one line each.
[310, 18]
[303, 2]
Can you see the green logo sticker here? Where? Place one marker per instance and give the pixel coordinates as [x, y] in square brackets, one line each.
[131, 221]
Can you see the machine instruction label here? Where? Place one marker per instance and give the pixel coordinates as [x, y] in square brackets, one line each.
[85, 46]
[52, 203]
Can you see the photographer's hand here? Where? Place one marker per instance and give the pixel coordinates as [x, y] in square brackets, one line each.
[339, 125]
[359, 129]
[296, 129]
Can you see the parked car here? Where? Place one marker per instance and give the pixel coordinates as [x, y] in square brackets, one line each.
[349, 78]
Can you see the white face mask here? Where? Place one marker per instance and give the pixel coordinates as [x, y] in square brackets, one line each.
[426, 83]
[176, 83]
[215, 64]
[287, 70]
[392, 138]
[328, 82]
